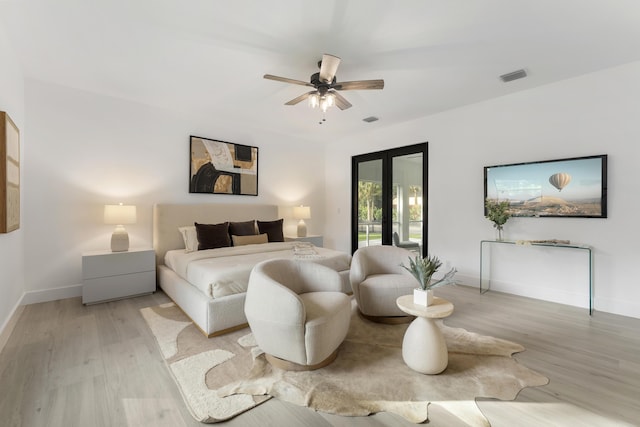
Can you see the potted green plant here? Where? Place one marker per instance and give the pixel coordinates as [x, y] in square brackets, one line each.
[423, 270]
[498, 213]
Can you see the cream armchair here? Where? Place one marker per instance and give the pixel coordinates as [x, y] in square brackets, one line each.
[377, 280]
[297, 313]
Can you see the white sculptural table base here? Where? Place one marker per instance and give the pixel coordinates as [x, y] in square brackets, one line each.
[423, 348]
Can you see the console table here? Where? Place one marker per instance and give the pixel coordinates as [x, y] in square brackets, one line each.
[485, 282]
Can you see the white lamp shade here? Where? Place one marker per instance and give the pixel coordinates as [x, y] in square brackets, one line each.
[302, 212]
[119, 214]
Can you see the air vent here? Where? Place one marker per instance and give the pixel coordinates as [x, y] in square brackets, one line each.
[515, 75]
[370, 119]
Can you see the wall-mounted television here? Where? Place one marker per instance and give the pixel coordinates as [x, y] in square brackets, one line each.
[575, 187]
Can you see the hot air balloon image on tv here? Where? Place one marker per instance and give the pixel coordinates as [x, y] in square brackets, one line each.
[572, 187]
[560, 180]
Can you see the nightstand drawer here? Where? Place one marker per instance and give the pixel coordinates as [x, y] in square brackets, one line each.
[110, 275]
[103, 264]
[109, 288]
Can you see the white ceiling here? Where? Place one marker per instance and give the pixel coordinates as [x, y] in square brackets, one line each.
[207, 57]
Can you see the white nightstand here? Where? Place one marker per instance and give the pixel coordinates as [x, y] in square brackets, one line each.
[315, 239]
[110, 275]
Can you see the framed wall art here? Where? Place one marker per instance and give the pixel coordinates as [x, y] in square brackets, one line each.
[574, 187]
[9, 174]
[219, 167]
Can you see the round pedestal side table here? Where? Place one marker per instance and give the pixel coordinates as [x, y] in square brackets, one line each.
[423, 348]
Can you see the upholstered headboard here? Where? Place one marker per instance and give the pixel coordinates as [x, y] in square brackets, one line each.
[168, 217]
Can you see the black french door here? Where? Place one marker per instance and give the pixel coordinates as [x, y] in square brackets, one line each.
[389, 198]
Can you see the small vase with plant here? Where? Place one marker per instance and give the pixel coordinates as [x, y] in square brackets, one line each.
[497, 212]
[423, 269]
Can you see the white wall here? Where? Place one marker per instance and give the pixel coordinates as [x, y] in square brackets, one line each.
[88, 150]
[588, 115]
[11, 244]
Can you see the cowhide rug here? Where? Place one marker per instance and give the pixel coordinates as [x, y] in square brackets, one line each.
[224, 376]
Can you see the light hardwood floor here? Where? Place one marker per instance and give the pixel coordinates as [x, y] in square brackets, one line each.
[66, 364]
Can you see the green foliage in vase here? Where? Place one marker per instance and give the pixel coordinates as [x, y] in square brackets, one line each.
[497, 212]
[424, 268]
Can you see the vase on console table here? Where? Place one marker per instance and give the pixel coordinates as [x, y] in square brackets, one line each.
[497, 211]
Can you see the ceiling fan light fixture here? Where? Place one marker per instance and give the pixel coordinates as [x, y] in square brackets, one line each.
[327, 101]
[314, 100]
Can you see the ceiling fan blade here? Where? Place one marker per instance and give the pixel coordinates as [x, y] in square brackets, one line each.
[300, 98]
[360, 85]
[328, 67]
[341, 101]
[286, 80]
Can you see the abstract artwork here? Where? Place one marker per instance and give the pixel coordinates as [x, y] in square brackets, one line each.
[218, 167]
[9, 174]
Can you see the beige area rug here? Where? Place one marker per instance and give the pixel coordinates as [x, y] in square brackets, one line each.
[224, 376]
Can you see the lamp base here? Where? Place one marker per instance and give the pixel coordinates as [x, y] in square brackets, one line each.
[302, 229]
[119, 240]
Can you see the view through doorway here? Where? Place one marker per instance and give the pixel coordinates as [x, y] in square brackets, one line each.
[389, 198]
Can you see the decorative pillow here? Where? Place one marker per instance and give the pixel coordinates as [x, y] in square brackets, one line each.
[249, 240]
[246, 228]
[212, 236]
[273, 229]
[190, 238]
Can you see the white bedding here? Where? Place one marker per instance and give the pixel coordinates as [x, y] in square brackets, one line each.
[225, 271]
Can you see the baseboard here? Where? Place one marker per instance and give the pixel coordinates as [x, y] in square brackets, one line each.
[10, 323]
[465, 280]
[46, 295]
[628, 308]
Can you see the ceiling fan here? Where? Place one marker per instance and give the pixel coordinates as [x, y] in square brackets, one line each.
[326, 86]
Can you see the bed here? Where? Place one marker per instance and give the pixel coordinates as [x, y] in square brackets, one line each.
[207, 284]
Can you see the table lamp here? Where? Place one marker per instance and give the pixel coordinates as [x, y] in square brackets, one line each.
[302, 213]
[119, 215]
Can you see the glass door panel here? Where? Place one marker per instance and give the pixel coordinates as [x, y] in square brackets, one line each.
[407, 214]
[369, 203]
